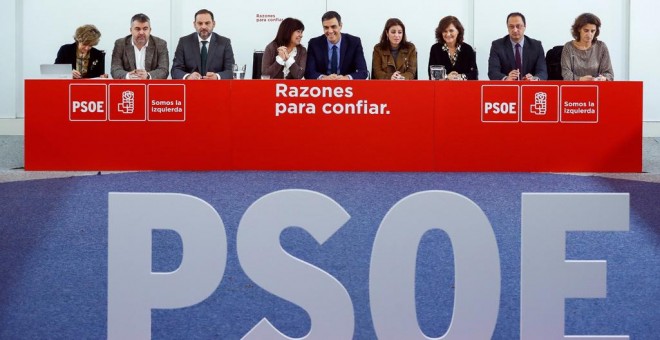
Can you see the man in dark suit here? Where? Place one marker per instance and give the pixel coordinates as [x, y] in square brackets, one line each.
[140, 55]
[335, 55]
[516, 56]
[203, 54]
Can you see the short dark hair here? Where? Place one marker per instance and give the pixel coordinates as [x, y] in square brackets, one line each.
[516, 14]
[140, 17]
[204, 11]
[287, 27]
[384, 44]
[585, 19]
[330, 15]
[444, 23]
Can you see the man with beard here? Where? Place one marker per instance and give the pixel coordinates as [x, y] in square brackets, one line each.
[140, 55]
[203, 54]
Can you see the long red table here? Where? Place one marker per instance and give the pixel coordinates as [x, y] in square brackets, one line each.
[319, 125]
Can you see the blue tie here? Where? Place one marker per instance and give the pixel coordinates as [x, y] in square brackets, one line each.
[205, 54]
[333, 60]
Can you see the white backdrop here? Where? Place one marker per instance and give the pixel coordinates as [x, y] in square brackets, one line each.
[39, 27]
[10, 78]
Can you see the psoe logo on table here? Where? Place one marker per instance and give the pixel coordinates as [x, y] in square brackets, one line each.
[499, 104]
[87, 102]
[127, 102]
[539, 104]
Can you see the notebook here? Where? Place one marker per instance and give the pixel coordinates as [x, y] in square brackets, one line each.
[56, 71]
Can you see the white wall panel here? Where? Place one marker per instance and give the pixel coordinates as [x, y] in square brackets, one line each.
[9, 77]
[645, 53]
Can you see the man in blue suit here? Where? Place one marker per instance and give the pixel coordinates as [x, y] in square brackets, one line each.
[335, 55]
[516, 56]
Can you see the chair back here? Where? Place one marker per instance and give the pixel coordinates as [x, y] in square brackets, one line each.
[553, 61]
[257, 59]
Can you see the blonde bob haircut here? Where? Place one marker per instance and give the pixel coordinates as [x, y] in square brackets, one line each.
[87, 35]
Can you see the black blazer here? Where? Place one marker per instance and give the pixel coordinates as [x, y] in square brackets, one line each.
[67, 55]
[351, 57]
[465, 64]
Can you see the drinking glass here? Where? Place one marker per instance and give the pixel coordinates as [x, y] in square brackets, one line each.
[438, 72]
[239, 72]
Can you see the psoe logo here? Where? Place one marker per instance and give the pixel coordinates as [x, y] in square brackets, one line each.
[127, 104]
[499, 104]
[539, 104]
[87, 102]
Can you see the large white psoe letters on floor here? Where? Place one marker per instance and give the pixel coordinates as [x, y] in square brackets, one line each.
[547, 279]
[263, 260]
[476, 274]
[133, 290]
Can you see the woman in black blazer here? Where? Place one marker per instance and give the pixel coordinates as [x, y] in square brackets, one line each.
[458, 58]
[86, 61]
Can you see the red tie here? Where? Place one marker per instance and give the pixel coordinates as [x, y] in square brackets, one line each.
[518, 58]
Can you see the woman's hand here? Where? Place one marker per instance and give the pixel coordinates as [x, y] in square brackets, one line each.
[283, 52]
[397, 76]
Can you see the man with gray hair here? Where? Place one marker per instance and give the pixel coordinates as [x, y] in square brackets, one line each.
[140, 55]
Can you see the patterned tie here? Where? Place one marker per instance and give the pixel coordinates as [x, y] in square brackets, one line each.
[333, 60]
[518, 59]
[205, 53]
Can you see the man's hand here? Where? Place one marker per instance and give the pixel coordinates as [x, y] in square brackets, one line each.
[211, 76]
[513, 75]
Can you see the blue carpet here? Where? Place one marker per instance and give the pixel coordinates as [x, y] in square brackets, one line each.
[53, 253]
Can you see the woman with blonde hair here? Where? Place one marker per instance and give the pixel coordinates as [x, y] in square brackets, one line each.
[86, 61]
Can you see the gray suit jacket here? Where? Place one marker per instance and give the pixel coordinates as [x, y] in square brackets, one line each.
[501, 60]
[156, 61]
[187, 58]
